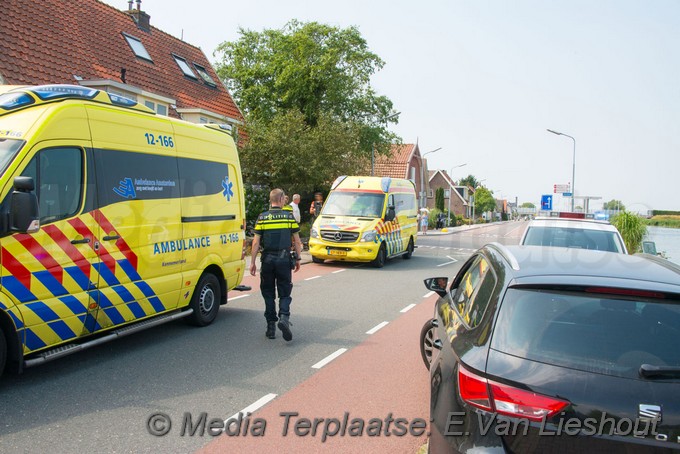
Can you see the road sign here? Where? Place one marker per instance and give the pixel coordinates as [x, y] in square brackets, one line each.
[566, 194]
[561, 188]
[546, 202]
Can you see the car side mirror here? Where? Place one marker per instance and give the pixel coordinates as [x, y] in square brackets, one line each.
[390, 214]
[24, 214]
[437, 285]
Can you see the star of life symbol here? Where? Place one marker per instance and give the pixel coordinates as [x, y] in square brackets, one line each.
[227, 187]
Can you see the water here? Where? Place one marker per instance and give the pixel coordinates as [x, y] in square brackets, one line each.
[667, 240]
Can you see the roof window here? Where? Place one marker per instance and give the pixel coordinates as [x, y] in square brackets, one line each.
[184, 66]
[204, 75]
[137, 47]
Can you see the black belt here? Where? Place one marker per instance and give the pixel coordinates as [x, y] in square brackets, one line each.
[279, 253]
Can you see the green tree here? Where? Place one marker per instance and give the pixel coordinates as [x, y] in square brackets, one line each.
[321, 71]
[614, 204]
[527, 205]
[632, 229]
[484, 200]
[469, 180]
[439, 199]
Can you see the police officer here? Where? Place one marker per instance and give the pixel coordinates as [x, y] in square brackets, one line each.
[275, 233]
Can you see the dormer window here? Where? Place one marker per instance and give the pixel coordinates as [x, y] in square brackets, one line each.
[137, 47]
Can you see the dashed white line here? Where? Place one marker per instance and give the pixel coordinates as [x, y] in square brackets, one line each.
[312, 278]
[428, 294]
[339, 271]
[408, 308]
[377, 327]
[259, 403]
[239, 297]
[329, 358]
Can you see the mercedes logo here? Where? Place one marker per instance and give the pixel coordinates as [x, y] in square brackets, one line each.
[337, 236]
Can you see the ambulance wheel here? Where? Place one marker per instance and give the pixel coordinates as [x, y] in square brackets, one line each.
[381, 258]
[206, 301]
[3, 351]
[315, 260]
[409, 250]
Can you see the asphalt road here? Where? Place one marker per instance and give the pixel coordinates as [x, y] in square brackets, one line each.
[100, 400]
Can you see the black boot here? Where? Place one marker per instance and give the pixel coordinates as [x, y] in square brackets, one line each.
[284, 326]
[271, 330]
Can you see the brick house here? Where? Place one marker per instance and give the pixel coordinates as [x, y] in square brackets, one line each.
[441, 179]
[90, 43]
[405, 161]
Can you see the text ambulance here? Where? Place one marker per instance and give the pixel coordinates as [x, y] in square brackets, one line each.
[366, 219]
[109, 215]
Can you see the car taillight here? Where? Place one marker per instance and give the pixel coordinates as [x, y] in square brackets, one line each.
[506, 400]
[474, 389]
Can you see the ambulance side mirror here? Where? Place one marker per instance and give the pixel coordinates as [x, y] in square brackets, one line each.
[390, 214]
[24, 214]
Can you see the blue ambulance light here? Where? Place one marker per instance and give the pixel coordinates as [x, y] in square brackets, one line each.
[9, 101]
[47, 92]
[121, 100]
[338, 181]
[385, 184]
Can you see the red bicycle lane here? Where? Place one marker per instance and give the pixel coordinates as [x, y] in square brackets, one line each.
[382, 382]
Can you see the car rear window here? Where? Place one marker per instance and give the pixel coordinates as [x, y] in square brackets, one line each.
[599, 240]
[605, 334]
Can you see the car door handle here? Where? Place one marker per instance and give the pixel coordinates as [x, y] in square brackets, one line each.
[111, 237]
[81, 241]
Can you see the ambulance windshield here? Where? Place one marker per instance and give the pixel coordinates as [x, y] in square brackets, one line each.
[359, 204]
[8, 150]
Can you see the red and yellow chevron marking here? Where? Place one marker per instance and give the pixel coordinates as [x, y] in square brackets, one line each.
[63, 291]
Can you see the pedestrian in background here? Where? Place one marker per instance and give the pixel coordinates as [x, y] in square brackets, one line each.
[315, 208]
[424, 221]
[276, 232]
[296, 207]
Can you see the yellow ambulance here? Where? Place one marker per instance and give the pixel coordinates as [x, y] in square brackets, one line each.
[366, 219]
[112, 219]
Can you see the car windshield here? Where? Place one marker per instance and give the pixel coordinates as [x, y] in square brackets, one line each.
[580, 238]
[360, 204]
[604, 334]
[8, 150]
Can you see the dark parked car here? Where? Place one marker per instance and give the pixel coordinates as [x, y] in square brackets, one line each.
[542, 350]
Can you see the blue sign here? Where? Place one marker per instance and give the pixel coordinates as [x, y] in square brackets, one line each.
[566, 194]
[546, 202]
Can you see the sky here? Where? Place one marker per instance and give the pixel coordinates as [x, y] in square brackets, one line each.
[483, 80]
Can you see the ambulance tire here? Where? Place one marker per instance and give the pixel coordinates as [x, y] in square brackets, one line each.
[205, 301]
[381, 258]
[315, 260]
[409, 250]
[3, 351]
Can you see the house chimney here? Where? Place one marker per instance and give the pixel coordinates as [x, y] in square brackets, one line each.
[142, 19]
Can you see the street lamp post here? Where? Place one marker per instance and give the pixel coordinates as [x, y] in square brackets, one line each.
[386, 119]
[451, 189]
[423, 196]
[573, 167]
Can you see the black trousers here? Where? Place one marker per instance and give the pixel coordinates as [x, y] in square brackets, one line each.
[276, 275]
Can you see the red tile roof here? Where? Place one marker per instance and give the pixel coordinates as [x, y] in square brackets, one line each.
[50, 41]
[397, 162]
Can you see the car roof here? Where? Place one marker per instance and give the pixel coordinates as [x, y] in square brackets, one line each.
[586, 224]
[579, 267]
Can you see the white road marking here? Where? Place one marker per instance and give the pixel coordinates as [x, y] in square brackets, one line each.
[329, 358]
[261, 402]
[377, 327]
[239, 297]
[339, 271]
[511, 231]
[312, 278]
[428, 294]
[448, 263]
[408, 308]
